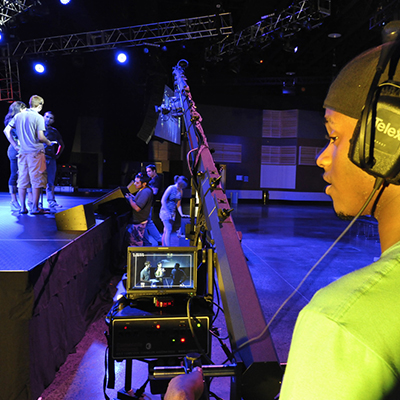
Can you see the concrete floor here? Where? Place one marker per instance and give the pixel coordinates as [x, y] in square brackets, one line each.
[281, 242]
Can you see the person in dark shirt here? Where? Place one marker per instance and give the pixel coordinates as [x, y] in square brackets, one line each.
[141, 206]
[52, 152]
[155, 186]
[178, 276]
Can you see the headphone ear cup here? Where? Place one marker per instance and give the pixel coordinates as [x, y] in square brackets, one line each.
[379, 129]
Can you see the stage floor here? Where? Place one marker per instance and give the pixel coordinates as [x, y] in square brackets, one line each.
[26, 240]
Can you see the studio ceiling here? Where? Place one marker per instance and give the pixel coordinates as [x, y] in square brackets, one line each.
[318, 59]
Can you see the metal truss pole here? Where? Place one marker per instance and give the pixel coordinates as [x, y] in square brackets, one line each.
[10, 89]
[300, 14]
[11, 8]
[156, 33]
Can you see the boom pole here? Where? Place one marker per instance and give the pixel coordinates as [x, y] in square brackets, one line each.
[243, 313]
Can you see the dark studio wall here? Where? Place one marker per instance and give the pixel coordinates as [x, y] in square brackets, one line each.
[244, 126]
[239, 126]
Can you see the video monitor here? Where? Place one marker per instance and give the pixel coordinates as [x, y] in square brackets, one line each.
[169, 123]
[156, 271]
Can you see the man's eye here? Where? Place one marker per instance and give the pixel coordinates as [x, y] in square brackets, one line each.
[332, 139]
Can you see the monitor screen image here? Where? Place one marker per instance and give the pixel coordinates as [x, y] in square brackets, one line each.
[155, 271]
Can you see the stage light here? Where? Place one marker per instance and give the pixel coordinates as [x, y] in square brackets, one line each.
[65, 2]
[146, 50]
[290, 47]
[164, 48]
[289, 86]
[39, 68]
[122, 58]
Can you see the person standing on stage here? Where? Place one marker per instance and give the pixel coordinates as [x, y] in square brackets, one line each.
[160, 272]
[29, 127]
[141, 203]
[52, 154]
[170, 202]
[145, 272]
[178, 275]
[15, 108]
[155, 186]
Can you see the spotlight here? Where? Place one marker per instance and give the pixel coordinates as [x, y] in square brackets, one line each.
[257, 59]
[146, 50]
[289, 85]
[164, 48]
[122, 58]
[65, 2]
[39, 68]
[290, 47]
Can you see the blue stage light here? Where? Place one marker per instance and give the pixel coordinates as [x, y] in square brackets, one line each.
[65, 2]
[39, 68]
[146, 50]
[122, 58]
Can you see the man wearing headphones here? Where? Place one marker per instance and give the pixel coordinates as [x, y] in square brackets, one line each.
[346, 342]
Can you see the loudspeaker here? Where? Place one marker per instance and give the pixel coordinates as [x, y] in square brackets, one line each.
[114, 201]
[375, 146]
[79, 218]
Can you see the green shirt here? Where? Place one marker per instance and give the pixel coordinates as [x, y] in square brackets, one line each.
[346, 342]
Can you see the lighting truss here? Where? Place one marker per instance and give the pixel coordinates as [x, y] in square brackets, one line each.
[304, 14]
[384, 14]
[10, 89]
[11, 8]
[155, 33]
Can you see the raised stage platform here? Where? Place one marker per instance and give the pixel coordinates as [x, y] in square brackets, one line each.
[52, 284]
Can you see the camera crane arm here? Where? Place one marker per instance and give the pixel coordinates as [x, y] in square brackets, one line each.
[243, 313]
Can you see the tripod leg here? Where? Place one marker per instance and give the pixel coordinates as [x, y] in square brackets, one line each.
[128, 375]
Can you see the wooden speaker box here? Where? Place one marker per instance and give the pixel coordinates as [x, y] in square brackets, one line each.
[79, 218]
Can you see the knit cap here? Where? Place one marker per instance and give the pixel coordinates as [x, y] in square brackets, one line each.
[348, 92]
